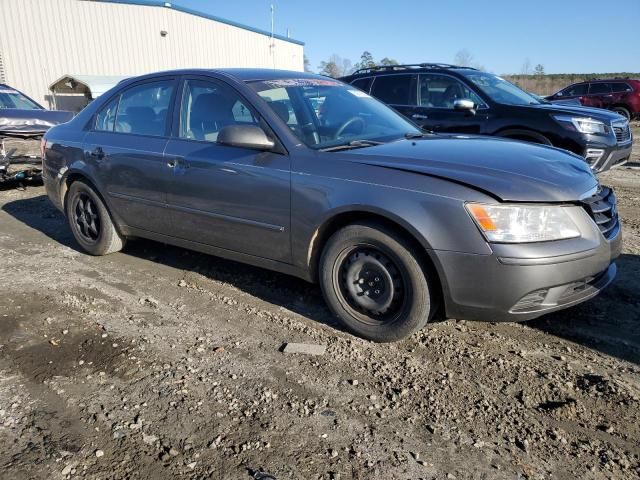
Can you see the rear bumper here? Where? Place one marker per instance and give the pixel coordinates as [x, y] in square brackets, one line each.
[493, 288]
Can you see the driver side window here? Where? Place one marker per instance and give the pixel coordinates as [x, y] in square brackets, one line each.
[441, 91]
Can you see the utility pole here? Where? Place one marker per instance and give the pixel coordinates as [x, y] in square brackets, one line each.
[273, 42]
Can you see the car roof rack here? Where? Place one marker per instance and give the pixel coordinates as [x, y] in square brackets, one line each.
[408, 66]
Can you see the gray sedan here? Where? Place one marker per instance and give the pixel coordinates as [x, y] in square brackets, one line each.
[305, 175]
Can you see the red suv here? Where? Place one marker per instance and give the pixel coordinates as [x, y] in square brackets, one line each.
[620, 95]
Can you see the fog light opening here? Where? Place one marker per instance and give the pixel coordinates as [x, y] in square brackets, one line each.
[593, 155]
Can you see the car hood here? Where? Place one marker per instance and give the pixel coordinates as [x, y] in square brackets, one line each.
[578, 110]
[25, 123]
[506, 169]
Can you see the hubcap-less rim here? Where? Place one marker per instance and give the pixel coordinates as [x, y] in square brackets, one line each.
[370, 285]
[86, 218]
[622, 112]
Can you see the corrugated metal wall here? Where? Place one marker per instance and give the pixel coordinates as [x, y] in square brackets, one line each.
[41, 40]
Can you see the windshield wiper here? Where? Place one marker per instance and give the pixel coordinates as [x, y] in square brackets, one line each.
[352, 144]
[413, 135]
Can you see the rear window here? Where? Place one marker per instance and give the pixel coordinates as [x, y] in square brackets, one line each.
[143, 109]
[621, 87]
[396, 89]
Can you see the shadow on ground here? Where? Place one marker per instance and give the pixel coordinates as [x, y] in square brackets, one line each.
[609, 323]
[276, 288]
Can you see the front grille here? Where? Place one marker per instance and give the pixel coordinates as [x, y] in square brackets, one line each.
[603, 210]
[622, 131]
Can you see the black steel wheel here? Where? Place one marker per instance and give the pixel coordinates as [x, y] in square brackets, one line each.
[371, 285]
[90, 221]
[85, 215]
[374, 282]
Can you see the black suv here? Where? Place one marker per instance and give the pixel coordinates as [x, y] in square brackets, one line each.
[452, 99]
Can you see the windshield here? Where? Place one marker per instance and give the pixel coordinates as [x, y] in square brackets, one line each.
[499, 89]
[325, 113]
[10, 98]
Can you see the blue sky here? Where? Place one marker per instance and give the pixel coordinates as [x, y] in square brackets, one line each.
[566, 36]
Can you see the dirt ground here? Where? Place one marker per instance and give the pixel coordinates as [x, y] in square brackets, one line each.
[160, 363]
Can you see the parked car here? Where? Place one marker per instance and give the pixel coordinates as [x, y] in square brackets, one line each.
[394, 223]
[446, 98]
[22, 124]
[558, 101]
[620, 95]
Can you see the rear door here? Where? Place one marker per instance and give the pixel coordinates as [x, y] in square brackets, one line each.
[229, 197]
[599, 95]
[399, 91]
[620, 93]
[126, 149]
[435, 111]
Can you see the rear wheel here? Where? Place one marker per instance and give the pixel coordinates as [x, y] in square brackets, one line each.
[90, 221]
[372, 280]
[622, 111]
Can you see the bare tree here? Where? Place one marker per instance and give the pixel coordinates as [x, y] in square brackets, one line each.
[463, 58]
[526, 67]
[336, 66]
[539, 71]
[330, 69]
[386, 61]
[307, 64]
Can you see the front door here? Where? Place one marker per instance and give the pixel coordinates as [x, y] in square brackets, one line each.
[435, 111]
[229, 197]
[125, 148]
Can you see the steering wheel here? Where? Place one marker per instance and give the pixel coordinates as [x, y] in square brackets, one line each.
[348, 123]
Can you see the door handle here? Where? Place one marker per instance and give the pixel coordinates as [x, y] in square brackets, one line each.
[97, 153]
[177, 163]
[419, 116]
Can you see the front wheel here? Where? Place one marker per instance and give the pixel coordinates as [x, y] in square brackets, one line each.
[372, 280]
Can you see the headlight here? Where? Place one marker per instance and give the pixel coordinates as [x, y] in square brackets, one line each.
[523, 223]
[582, 124]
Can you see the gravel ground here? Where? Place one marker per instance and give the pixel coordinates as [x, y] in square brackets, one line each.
[162, 363]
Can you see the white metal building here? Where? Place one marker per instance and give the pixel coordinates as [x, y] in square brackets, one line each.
[42, 40]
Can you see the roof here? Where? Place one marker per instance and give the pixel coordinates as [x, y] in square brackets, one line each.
[417, 67]
[197, 13]
[249, 74]
[93, 85]
[240, 74]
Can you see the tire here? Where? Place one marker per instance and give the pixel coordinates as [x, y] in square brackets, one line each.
[371, 257]
[90, 221]
[623, 111]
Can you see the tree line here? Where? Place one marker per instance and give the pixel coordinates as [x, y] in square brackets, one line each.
[336, 66]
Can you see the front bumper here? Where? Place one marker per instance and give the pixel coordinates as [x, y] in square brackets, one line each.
[499, 288]
[603, 157]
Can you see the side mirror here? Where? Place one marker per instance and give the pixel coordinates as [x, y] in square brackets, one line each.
[245, 136]
[465, 104]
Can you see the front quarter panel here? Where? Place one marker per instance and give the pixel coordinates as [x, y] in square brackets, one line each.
[325, 185]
